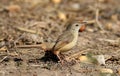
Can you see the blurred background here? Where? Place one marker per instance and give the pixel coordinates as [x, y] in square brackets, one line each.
[33, 22]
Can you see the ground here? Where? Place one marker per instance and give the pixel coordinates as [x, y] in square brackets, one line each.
[33, 22]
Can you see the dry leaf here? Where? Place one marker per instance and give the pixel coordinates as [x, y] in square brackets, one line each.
[100, 59]
[62, 16]
[88, 59]
[109, 26]
[83, 59]
[13, 8]
[90, 30]
[56, 1]
[75, 6]
[105, 70]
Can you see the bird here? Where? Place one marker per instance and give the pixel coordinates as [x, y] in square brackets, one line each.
[68, 39]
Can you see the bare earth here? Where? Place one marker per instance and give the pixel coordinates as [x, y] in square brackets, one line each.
[33, 22]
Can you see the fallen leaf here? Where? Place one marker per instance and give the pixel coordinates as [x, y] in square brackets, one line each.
[75, 6]
[109, 26]
[83, 59]
[88, 59]
[13, 8]
[105, 70]
[90, 30]
[62, 16]
[100, 59]
[56, 1]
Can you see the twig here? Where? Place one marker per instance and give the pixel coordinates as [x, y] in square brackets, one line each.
[97, 20]
[28, 30]
[108, 40]
[28, 46]
[44, 46]
[111, 41]
[9, 54]
[90, 21]
[3, 49]
[76, 54]
[3, 59]
[35, 65]
[41, 46]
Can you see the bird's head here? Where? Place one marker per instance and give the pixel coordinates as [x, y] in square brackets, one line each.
[76, 26]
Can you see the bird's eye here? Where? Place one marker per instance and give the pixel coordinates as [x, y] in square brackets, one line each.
[76, 25]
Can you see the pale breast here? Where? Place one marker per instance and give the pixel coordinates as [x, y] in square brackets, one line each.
[70, 45]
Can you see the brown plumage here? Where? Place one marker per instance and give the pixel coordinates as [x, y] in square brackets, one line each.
[67, 39]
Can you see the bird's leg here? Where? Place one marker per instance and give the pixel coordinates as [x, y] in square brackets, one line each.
[60, 60]
[57, 54]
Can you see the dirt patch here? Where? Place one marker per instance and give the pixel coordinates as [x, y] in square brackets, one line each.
[33, 22]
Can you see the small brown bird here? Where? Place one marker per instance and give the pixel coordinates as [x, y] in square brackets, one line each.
[67, 39]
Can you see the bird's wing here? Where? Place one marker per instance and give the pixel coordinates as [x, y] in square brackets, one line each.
[63, 40]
